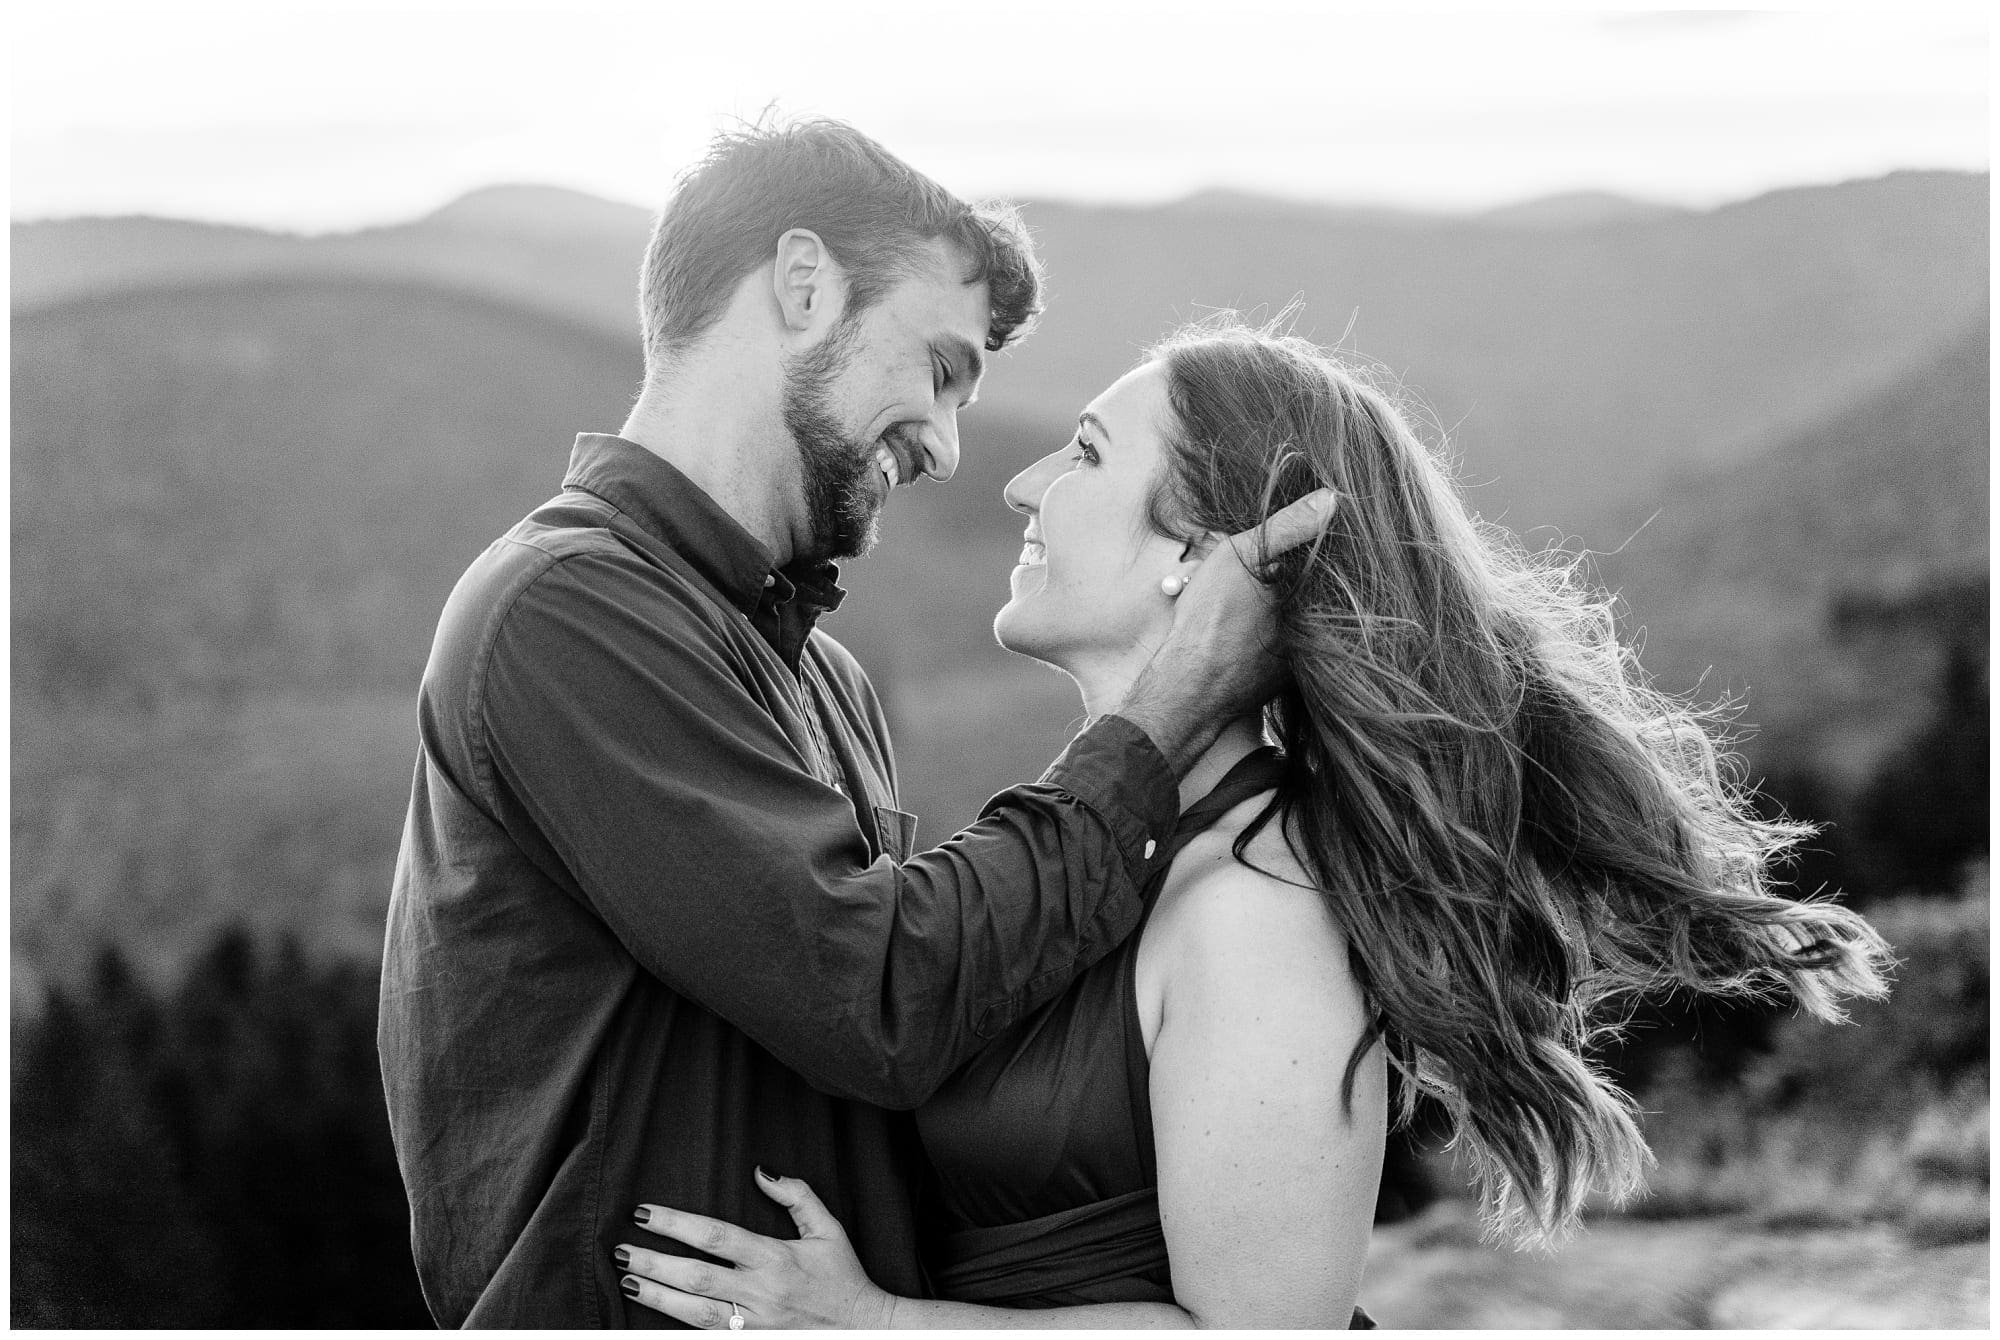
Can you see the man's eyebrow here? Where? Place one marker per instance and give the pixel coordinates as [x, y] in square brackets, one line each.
[965, 356]
[1089, 420]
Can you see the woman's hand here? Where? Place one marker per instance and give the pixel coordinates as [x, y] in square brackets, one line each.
[814, 1283]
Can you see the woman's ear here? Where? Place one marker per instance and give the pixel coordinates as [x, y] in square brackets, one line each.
[1200, 547]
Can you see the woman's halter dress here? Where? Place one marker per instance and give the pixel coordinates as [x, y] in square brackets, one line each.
[1043, 1143]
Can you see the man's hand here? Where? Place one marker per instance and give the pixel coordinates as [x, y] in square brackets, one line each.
[1216, 664]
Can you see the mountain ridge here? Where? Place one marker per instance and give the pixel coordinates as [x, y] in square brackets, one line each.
[238, 506]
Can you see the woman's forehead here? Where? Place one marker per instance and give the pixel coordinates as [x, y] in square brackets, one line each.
[1135, 402]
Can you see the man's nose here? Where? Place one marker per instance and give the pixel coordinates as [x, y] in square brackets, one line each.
[941, 447]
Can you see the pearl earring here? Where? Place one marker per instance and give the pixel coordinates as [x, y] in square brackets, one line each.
[1173, 584]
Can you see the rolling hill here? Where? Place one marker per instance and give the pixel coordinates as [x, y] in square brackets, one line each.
[1576, 367]
[1736, 576]
[247, 468]
[274, 482]
[1578, 364]
[238, 508]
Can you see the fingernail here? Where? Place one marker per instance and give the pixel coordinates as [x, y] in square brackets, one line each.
[768, 1177]
[642, 1216]
[622, 1257]
[630, 1286]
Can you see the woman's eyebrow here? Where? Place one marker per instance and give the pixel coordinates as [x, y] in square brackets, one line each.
[1089, 420]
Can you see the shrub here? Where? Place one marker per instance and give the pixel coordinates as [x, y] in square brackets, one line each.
[1884, 1118]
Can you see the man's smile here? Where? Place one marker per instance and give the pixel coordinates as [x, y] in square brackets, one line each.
[887, 462]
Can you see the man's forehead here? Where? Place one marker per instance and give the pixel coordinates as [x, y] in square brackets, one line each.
[940, 306]
[940, 282]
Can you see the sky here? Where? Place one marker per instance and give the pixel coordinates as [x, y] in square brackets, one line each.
[321, 118]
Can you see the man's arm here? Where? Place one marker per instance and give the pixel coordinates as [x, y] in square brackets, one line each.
[678, 809]
[621, 732]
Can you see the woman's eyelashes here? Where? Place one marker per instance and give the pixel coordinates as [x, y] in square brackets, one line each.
[1083, 453]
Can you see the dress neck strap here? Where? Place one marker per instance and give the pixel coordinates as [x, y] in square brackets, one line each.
[1256, 772]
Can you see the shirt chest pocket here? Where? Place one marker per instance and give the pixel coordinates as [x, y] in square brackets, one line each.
[895, 833]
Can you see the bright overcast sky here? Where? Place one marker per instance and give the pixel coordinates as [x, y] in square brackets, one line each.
[323, 118]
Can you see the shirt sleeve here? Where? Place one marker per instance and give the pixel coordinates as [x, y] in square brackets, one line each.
[620, 729]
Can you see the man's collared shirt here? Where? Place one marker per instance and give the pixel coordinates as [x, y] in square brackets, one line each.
[657, 919]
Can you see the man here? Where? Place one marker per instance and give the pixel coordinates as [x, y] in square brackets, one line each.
[656, 921]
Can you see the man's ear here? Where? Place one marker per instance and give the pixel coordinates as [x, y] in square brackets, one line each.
[806, 281]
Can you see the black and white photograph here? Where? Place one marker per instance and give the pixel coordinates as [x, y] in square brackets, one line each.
[1061, 666]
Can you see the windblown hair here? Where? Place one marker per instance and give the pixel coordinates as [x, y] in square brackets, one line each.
[1518, 836]
[876, 214]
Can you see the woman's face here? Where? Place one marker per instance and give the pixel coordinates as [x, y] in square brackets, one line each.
[1086, 593]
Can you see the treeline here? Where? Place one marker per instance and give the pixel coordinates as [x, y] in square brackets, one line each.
[212, 1155]
[216, 1154]
[1913, 828]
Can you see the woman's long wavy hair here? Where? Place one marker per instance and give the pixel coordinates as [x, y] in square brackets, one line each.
[1517, 835]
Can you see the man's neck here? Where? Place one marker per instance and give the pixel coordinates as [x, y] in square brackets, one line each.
[716, 420]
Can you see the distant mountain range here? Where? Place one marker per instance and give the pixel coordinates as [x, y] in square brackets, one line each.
[1577, 365]
[247, 468]
[1582, 209]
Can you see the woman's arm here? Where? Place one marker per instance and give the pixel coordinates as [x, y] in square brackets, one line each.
[1267, 1183]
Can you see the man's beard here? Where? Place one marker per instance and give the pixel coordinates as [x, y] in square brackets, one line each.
[838, 470]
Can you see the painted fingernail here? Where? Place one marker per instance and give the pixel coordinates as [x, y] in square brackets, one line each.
[622, 1257]
[642, 1216]
[768, 1177]
[630, 1286]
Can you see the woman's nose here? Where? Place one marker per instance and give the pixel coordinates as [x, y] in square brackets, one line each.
[1024, 491]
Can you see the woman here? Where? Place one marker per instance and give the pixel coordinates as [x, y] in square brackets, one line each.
[1479, 834]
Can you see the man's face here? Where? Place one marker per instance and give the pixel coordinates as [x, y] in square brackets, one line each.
[875, 403]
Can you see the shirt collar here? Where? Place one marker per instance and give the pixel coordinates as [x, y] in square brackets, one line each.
[668, 505]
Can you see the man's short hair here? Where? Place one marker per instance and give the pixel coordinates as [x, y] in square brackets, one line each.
[876, 214]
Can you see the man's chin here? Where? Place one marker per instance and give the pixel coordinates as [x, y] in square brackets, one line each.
[855, 534]
[858, 546]
[851, 525]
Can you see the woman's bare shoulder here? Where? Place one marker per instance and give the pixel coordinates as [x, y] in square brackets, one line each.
[1266, 884]
[1254, 924]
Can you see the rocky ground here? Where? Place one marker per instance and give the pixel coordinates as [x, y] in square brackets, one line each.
[1728, 1273]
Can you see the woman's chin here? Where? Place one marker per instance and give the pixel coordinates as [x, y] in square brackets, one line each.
[1014, 626]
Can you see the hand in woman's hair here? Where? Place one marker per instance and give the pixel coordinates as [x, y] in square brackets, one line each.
[1217, 663]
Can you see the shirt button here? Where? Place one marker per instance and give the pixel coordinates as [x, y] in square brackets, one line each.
[1151, 847]
[769, 581]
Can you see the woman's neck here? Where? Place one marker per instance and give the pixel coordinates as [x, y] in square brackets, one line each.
[1237, 739]
[1104, 692]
